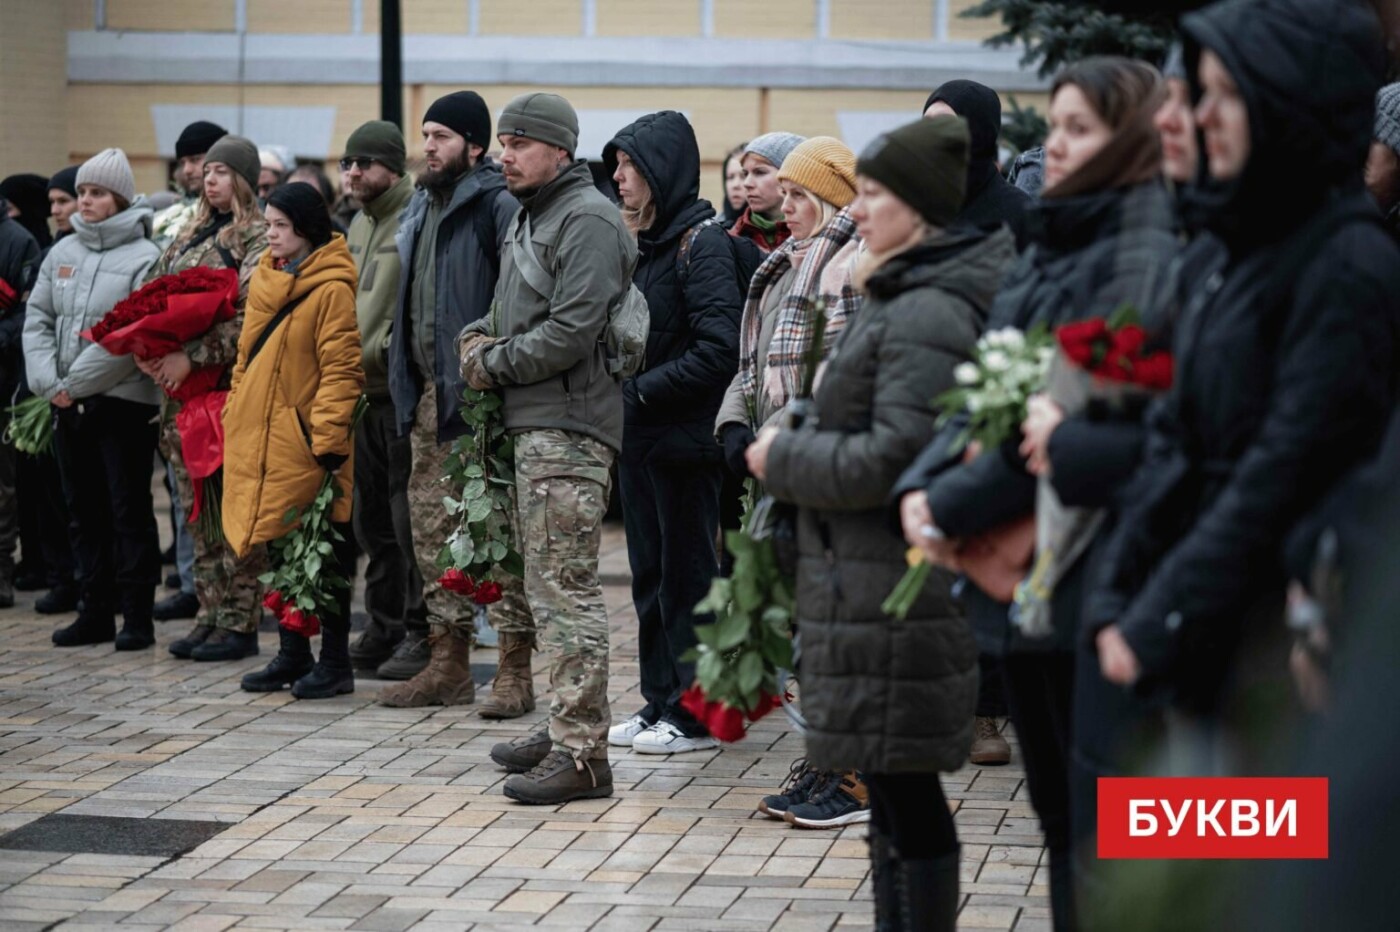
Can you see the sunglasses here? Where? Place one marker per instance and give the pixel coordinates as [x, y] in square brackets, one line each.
[362, 163]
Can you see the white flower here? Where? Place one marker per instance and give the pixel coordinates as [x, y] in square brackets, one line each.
[967, 373]
[974, 404]
[996, 360]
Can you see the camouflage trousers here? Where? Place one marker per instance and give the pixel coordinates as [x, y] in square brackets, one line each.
[228, 590]
[561, 487]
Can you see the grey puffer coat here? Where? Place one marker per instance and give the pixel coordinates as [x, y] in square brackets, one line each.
[884, 695]
[83, 278]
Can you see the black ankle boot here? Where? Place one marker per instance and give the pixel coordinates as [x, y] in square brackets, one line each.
[332, 675]
[884, 868]
[136, 634]
[928, 893]
[293, 661]
[90, 628]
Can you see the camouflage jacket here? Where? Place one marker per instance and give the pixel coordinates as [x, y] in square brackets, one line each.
[218, 346]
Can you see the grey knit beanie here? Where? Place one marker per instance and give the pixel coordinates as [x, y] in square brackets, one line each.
[1388, 116]
[546, 117]
[238, 154]
[109, 169]
[774, 146]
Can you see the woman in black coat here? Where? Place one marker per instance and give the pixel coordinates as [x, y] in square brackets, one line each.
[892, 699]
[1101, 236]
[671, 470]
[1286, 361]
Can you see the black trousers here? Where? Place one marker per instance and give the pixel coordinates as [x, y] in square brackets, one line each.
[671, 514]
[910, 809]
[991, 691]
[1039, 689]
[393, 587]
[105, 447]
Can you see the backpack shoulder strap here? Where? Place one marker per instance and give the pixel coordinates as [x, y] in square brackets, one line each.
[227, 255]
[271, 328]
[528, 261]
[687, 246]
[484, 219]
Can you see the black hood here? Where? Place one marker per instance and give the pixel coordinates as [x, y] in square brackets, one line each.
[1308, 71]
[981, 108]
[663, 147]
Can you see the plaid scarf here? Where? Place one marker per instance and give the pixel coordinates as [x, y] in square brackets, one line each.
[792, 336]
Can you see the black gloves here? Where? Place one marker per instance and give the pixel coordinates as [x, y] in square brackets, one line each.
[736, 439]
[330, 462]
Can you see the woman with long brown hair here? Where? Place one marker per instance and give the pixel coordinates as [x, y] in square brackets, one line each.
[228, 232]
[1102, 235]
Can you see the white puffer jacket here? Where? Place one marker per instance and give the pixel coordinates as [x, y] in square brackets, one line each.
[82, 278]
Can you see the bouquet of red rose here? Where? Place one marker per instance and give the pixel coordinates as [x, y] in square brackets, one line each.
[304, 578]
[159, 318]
[482, 467]
[1103, 363]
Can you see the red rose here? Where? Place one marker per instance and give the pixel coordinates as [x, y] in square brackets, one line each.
[299, 622]
[487, 593]
[1129, 340]
[1083, 340]
[766, 704]
[723, 721]
[1154, 371]
[273, 603]
[454, 580]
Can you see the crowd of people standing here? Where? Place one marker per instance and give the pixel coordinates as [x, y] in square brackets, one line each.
[1241, 202]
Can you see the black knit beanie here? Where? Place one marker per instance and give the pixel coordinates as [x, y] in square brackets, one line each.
[924, 163]
[305, 207]
[65, 180]
[198, 138]
[466, 114]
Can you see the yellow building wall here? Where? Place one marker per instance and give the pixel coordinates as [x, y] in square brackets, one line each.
[973, 29]
[33, 76]
[171, 15]
[772, 19]
[79, 14]
[648, 17]
[890, 19]
[533, 18]
[325, 17]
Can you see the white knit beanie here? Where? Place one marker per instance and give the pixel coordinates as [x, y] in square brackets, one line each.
[109, 169]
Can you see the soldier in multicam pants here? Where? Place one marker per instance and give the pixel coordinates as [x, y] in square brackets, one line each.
[568, 263]
[561, 488]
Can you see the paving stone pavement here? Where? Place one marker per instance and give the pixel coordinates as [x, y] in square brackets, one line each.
[345, 815]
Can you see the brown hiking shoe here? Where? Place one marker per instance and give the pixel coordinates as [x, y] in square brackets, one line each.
[524, 753]
[988, 746]
[513, 689]
[446, 680]
[560, 779]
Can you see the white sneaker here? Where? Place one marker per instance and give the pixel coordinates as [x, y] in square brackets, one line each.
[620, 736]
[665, 738]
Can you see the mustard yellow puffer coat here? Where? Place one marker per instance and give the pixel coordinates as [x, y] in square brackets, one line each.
[296, 400]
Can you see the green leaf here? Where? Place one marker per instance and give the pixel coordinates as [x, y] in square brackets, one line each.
[733, 631]
[750, 671]
[478, 509]
[513, 564]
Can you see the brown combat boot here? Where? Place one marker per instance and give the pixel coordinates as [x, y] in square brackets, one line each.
[446, 680]
[988, 746]
[513, 690]
[560, 779]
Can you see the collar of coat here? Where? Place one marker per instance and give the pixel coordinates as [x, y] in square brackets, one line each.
[391, 202]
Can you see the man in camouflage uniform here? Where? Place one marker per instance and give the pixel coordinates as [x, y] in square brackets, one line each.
[230, 596]
[543, 347]
[194, 143]
[448, 244]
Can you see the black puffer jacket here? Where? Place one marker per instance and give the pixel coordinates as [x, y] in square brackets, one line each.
[1088, 255]
[884, 695]
[19, 264]
[693, 346]
[1286, 359]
